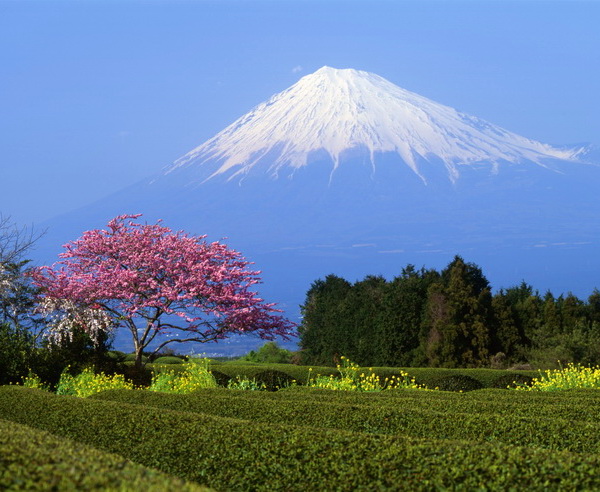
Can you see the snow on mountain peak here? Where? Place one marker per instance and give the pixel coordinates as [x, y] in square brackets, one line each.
[338, 110]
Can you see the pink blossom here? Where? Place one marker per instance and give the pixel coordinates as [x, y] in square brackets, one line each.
[146, 276]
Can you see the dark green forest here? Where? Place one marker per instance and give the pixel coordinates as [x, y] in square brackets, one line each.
[447, 318]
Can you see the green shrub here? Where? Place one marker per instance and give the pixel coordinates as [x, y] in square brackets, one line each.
[269, 353]
[32, 459]
[131, 358]
[570, 377]
[242, 383]
[49, 361]
[354, 378]
[16, 350]
[139, 377]
[87, 383]
[248, 370]
[230, 454]
[221, 378]
[429, 375]
[512, 380]
[273, 379]
[457, 382]
[424, 376]
[194, 376]
[168, 359]
[428, 410]
[116, 355]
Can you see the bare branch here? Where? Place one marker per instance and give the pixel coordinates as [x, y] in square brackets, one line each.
[15, 240]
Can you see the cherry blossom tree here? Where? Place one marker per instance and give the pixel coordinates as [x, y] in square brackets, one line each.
[154, 281]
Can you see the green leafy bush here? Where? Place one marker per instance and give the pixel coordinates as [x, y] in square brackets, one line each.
[168, 359]
[138, 376]
[245, 384]
[225, 453]
[354, 378]
[221, 378]
[512, 380]
[274, 380]
[571, 377]
[424, 376]
[458, 382]
[116, 355]
[407, 411]
[33, 459]
[49, 361]
[87, 383]
[269, 353]
[131, 358]
[194, 376]
[248, 370]
[16, 350]
[496, 416]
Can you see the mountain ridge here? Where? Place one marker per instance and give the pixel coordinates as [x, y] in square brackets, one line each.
[336, 113]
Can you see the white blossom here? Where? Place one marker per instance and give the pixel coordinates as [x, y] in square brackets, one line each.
[65, 316]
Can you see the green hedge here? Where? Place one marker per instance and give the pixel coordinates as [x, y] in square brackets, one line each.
[580, 404]
[230, 454]
[497, 420]
[131, 358]
[116, 355]
[429, 377]
[32, 459]
[167, 359]
[456, 382]
[298, 373]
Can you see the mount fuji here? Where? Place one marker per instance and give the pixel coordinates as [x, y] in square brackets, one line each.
[347, 173]
[345, 113]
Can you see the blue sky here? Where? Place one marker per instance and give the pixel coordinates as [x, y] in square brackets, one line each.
[95, 95]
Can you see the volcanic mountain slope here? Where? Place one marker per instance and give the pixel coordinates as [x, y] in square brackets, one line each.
[346, 172]
[345, 157]
[344, 113]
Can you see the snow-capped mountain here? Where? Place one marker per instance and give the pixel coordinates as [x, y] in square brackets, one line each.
[347, 173]
[344, 113]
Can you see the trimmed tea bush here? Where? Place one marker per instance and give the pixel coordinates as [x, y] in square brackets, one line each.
[550, 426]
[458, 382]
[168, 359]
[230, 454]
[131, 358]
[422, 376]
[354, 378]
[32, 459]
[116, 355]
[512, 381]
[248, 370]
[221, 378]
[273, 380]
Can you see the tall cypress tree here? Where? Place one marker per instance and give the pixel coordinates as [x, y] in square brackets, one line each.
[506, 336]
[320, 333]
[358, 319]
[401, 316]
[459, 317]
